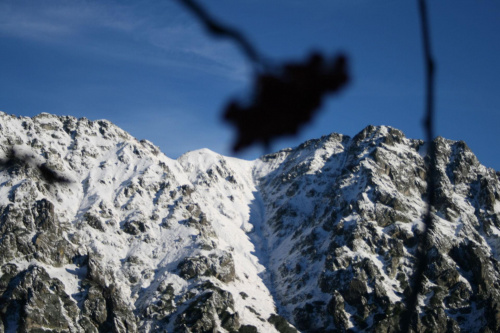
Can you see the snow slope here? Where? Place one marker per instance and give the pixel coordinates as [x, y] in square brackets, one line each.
[103, 232]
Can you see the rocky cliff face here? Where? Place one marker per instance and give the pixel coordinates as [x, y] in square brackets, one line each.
[101, 232]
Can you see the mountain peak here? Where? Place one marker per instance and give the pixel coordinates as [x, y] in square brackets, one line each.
[320, 237]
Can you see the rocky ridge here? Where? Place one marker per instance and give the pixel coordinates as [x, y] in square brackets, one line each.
[101, 232]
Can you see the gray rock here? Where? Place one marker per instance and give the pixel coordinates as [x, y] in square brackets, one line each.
[220, 266]
[202, 314]
[32, 301]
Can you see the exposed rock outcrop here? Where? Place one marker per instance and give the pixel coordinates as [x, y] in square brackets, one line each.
[100, 232]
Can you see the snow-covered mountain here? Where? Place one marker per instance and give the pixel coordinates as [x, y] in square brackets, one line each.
[101, 232]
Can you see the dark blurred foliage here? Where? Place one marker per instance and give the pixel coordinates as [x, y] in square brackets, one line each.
[15, 161]
[285, 97]
[283, 102]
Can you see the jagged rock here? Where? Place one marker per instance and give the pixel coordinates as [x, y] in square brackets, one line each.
[247, 329]
[34, 233]
[165, 305]
[94, 222]
[94, 305]
[121, 238]
[281, 324]
[32, 301]
[203, 313]
[134, 227]
[219, 266]
[355, 291]
[336, 309]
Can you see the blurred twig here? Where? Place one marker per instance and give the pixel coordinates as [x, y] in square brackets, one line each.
[428, 123]
[271, 102]
[14, 159]
[220, 30]
[285, 96]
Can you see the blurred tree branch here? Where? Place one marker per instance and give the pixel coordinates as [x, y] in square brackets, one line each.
[218, 29]
[286, 97]
[424, 245]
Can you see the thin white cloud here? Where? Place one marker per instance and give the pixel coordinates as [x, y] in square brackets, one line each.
[175, 35]
[189, 40]
[17, 20]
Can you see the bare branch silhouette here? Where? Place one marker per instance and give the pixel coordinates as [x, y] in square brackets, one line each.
[288, 97]
[411, 314]
[285, 97]
[218, 29]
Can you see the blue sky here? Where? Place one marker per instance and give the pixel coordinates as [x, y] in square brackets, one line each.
[150, 68]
